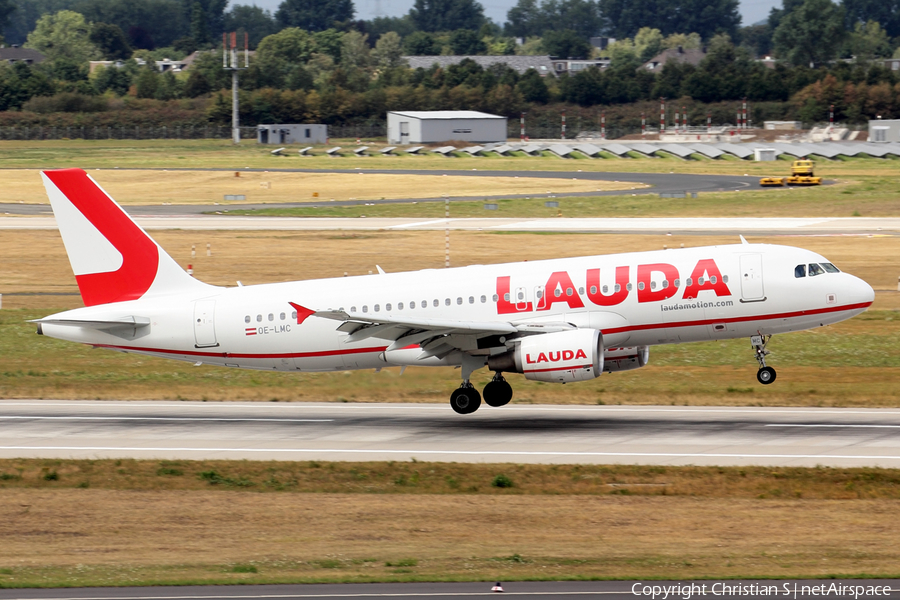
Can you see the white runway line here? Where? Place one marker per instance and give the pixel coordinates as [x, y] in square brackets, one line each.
[453, 452]
[78, 418]
[833, 425]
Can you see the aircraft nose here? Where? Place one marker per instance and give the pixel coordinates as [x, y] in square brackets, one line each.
[861, 291]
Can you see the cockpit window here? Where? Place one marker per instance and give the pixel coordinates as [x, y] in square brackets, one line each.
[830, 268]
[815, 269]
[800, 271]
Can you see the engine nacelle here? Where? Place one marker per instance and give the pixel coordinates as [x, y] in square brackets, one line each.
[559, 357]
[625, 359]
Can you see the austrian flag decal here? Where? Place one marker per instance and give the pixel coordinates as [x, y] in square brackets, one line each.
[250, 331]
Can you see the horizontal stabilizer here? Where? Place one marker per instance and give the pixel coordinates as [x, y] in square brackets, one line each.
[102, 325]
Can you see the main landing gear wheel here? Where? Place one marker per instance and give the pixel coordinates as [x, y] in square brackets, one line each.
[497, 392]
[766, 375]
[465, 399]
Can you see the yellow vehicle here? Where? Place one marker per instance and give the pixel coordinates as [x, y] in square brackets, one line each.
[802, 173]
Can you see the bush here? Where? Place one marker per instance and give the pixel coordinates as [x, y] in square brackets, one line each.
[502, 481]
[67, 102]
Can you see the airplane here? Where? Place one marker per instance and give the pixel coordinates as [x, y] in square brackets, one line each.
[560, 320]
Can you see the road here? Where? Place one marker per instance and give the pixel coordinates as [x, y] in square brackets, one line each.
[433, 432]
[536, 590]
[661, 183]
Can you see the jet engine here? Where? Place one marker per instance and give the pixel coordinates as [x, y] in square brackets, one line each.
[625, 359]
[559, 357]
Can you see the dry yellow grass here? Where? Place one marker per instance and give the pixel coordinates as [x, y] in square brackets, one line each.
[103, 537]
[132, 187]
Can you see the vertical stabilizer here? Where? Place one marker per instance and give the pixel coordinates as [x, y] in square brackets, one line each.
[114, 260]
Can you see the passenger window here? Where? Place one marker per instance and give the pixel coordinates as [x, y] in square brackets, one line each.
[677, 283]
[294, 315]
[724, 278]
[471, 299]
[652, 285]
[352, 309]
[459, 300]
[281, 316]
[387, 307]
[830, 268]
[700, 281]
[483, 299]
[800, 271]
[581, 291]
[688, 282]
[815, 269]
[665, 284]
[594, 289]
[271, 317]
[365, 308]
[437, 302]
[247, 319]
[557, 292]
[569, 291]
[259, 318]
[505, 296]
[425, 303]
[640, 285]
[399, 306]
[495, 297]
[712, 280]
[446, 301]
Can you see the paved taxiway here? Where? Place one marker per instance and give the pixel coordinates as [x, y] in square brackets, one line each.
[659, 183]
[433, 432]
[537, 590]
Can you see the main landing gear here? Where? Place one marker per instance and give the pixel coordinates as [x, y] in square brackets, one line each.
[765, 375]
[465, 399]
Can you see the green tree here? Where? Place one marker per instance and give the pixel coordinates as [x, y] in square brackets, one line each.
[466, 42]
[196, 85]
[533, 88]
[388, 53]
[7, 8]
[884, 12]
[314, 15]
[447, 15]
[147, 82]
[147, 23]
[111, 41]
[811, 34]
[566, 43]
[869, 40]
[648, 43]
[253, 20]
[421, 43]
[113, 79]
[355, 50]
[199, 30]
[64, 35]
[624, 18]
[524, 19]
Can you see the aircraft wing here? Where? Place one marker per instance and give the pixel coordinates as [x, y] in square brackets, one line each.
[435, 336]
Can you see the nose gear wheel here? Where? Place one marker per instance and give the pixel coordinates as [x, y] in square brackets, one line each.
[766, 374]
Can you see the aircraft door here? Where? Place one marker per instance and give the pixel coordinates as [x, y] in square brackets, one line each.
[521, 299]
[205, 323]
[752, 278]
[539, 301]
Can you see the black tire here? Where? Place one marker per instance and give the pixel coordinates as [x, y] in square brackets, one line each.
[766, 375]
[497, 393]
[465, 400]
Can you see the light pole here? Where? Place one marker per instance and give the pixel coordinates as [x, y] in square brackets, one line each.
[232, 65]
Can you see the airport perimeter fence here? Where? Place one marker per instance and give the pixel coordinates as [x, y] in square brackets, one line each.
[178, 132]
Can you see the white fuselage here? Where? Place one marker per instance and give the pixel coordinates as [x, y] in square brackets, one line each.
[746, 290]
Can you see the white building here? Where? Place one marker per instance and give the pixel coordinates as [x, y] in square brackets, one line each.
[292, 134]
[426, 127]
[884, 130]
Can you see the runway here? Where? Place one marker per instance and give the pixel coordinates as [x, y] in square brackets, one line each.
[536, 590]
[433, 432]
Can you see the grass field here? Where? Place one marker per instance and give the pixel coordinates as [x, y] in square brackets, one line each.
[866, 187]
[822, 367]
[209, 187]
[70, 523]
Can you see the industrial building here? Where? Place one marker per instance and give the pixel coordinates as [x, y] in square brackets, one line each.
[427, 127]
[292, 134]
[884, 130]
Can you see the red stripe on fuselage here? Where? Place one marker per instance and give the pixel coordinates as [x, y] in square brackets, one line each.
[383, 348]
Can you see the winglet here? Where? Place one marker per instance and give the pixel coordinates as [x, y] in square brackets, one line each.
[303, 313]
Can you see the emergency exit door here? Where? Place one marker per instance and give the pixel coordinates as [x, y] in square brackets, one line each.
[205, 323]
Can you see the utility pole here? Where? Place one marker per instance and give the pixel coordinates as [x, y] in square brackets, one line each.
[233, 66]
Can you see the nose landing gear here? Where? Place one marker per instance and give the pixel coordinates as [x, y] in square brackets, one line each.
[765, 375]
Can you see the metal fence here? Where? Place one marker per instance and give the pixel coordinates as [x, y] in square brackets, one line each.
[177, 132]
